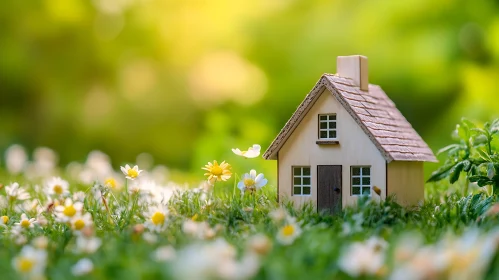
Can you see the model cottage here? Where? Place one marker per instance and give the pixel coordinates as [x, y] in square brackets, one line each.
[346, 137]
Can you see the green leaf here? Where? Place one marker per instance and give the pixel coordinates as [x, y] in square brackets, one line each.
[483, 155]
[441, 173]
[462, 132]
[480, 140]
[452, 148]
[468, 123]
[483, 182]
[476, 178]
[467, 165]
[456, 172]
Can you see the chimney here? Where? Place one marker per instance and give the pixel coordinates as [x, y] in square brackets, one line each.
[355, 68]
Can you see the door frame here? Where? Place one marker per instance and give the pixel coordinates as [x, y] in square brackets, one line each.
[336, 204]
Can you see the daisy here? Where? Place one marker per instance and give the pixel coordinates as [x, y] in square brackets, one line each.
[251, 182]
[88, 245]
[65, 212]
[25, 223]
[40, 242]
[252, 152]
[163, 254]
[217, 172]
[259, 244]
[288, 233]
[156, 218]
[79, 196]
[79, 222]
[82, 267]
[131, 173]
[15, 192]
[4, 220]
[112, 183]
[56, 186]
[29, 206]
[363, 258]
[30, 262]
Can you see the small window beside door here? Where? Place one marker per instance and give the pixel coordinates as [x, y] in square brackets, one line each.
[301, 180]
[327, 127]
[361, 180]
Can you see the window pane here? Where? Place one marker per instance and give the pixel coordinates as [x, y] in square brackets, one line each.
[366, 171]
[355, 171]
[332, 134]
[323, 117]
[297, 190]
[366, 191]
[306, 181]
[332, 125]
[332, 117]
[323, 134]
[297, 181]
[306, 190]
[306, 171]
[355, 181]
[297, 171]
[323, 125]
[366, 181]
[355, 190]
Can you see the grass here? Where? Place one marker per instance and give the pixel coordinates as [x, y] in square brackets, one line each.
[127, 251]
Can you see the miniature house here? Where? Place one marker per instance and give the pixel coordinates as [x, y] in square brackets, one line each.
[346, 138]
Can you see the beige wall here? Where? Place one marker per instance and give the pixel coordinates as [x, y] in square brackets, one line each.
[406, 180]
[355, 149]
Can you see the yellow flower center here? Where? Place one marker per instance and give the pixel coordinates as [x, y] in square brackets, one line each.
[24, 264]
[5, 219]
[79, 224]
[288, 230]
[216, 170]
[248, 182]
[158, 218]
[132, 173]
[111, 183]
[25, 223]
[58, 189]
[69, 211]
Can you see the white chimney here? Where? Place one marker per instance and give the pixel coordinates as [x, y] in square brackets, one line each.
[355, 68]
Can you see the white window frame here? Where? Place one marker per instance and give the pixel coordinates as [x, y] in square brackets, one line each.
[301, 176]
[330, 119]
[362, 176]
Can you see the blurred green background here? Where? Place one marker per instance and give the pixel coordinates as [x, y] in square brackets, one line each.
[186, 81]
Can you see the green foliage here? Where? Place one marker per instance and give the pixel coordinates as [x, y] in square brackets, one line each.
[474, 155]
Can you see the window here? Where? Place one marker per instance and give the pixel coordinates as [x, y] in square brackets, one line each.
[361, 180]
[327, 126]
[301, 180]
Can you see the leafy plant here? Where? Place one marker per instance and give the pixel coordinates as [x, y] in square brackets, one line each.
[474, 155]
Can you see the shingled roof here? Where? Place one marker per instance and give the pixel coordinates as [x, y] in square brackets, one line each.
[375, 113]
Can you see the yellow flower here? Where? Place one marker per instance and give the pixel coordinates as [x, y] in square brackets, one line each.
[131, 173]
[156, 218]
[111, 183]
[79, 222]
[4, 219]
[288, 233]
[217, 172]
[30, 262]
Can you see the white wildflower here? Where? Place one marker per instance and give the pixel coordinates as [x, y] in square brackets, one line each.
[252, 152]
[82, 267]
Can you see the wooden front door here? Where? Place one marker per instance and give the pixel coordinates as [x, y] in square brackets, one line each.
[329, 188]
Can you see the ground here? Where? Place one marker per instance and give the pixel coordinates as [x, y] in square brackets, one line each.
[135, 228]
